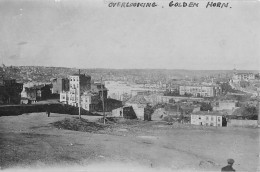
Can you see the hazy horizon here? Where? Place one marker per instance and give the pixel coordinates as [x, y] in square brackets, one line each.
[82, 68]
[89, 34]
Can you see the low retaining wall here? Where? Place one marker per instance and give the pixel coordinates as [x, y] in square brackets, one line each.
[14, 110]
[242, 123]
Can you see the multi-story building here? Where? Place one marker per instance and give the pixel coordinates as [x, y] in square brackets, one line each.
[78, 83]
[59, 85]
[99, 88]
[207, 118]
[243, 77]
[89, 101]
[200, 91]
[82, 80]
[90, 93]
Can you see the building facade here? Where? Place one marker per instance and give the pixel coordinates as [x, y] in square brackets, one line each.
[200, 91]
[38, 92]
[90, 93]
[82, 80]
[78, 85]
[138, 104]
[224, 105]
[243, 77]
[207, 119]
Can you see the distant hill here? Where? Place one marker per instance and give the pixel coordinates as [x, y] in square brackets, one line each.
[44, 74]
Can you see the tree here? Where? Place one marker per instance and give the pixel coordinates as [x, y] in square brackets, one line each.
[171, 93]
[206, 107]
[250, 112]
[187, 94]
[148, 111]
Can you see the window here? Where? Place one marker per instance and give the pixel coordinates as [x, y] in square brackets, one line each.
[207, 124]
[207, 118]
[211, 124]
[218, 119]
[212, 118]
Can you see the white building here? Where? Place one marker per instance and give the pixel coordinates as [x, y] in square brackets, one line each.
[224, 105]
[119, 112]
[243, 77]
[200, 91]
[138, 103]
[64, 97]
[207, 118]
[78, 83]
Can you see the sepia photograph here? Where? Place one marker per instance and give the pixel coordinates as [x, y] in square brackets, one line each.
[129, 85]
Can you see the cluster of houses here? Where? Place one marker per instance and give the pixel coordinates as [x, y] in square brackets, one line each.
[177, 106]
[237, 77]
[80, 90]
[35, 93]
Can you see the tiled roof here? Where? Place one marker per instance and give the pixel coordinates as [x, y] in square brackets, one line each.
[138, 99]
[213, 113]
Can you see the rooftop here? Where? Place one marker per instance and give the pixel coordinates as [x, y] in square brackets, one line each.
[212, 113]
[76, 74]
[199, 85]
[138, 99]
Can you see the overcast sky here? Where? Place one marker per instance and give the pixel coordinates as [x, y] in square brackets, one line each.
[89, 34]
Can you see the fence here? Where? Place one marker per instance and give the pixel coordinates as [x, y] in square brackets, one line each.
[242, 123]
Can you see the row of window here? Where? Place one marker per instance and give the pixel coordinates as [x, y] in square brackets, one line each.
[73, 79]
[211, 124]
[74, 86]
[195, 93]
[207, 118]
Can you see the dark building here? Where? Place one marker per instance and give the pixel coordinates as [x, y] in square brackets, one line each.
[39, 92]
[59, 85]
[98, 87]
[10, 91]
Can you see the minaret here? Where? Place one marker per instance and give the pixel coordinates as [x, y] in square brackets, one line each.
[234, 70]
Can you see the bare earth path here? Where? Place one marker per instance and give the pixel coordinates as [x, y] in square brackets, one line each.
[29, 140]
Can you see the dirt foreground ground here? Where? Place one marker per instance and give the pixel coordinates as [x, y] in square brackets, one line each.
[30, 142]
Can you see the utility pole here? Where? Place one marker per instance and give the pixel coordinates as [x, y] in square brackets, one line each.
[103, 102]
[258, 107]
[79, 96]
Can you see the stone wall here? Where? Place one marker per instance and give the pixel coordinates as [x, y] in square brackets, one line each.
[242, 123]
